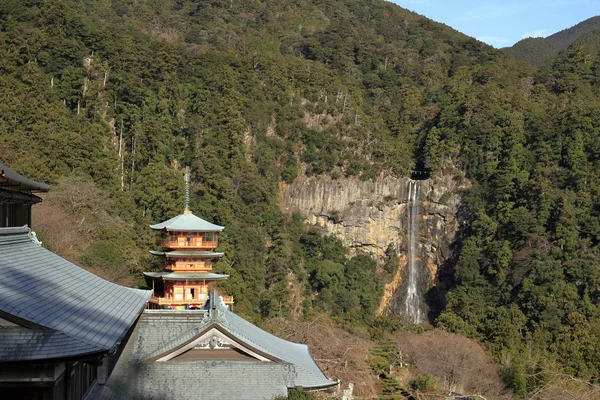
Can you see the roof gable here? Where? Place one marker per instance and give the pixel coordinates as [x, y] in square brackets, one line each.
[212, 338]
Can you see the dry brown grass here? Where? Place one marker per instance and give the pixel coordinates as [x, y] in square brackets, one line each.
[59, 229]
[461, 363]
[74, 216]
[565, 387]
[340, 354]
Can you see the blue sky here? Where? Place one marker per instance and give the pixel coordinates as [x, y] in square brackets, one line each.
[502, 23]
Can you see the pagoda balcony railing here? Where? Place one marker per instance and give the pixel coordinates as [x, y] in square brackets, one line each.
[169, 301]
[180, 268]
[187, 266]
[192, 244]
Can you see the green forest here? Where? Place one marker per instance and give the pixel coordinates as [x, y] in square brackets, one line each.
[111, 101]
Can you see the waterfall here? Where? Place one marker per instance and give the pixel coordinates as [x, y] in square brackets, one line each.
[412, 307]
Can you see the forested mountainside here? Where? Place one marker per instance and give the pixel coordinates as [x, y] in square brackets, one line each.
[110, 101]
[540, 52]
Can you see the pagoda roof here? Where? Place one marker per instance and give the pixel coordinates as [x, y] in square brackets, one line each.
[178, 276]
[149, 367]
[9, 178]
[179, 253]
[61, 309]
[187, 223]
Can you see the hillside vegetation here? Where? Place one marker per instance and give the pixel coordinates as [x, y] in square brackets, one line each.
[540, 52]
[110, 101]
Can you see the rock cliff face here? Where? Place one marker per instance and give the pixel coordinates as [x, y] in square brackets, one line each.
[368, 216]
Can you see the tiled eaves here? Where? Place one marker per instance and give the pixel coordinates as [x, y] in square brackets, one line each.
[40, 287]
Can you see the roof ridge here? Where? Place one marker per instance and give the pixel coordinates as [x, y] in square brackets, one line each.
[15, 234]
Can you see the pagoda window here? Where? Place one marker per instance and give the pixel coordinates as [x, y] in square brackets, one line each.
[190, 293]
[178, 293]
[209, 237]
[159, 288]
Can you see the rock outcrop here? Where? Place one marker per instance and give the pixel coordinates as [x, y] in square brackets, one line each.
[369, 216]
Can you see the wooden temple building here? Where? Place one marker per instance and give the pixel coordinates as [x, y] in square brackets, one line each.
[61, 327]
[16, 197]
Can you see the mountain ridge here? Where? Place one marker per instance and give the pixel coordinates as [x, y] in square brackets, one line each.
[541, 52]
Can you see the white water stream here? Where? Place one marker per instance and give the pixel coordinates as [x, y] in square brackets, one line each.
[412, 306]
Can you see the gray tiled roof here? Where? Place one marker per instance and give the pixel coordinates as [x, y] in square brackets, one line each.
[38, 286]
[308, 372]
[187, 223]
[186, 275]
[227, 380]
[138, 376]
[24, 183]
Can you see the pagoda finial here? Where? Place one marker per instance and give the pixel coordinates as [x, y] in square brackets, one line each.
[187, 193]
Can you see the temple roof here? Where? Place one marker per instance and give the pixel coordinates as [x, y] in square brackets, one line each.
[187, 223]
[144, 372]
[179, 253]
[308, 373]
[9, 178]
[63, 310]
[178, 276]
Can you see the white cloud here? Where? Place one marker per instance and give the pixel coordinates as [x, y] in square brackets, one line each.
[534, 34]
[496, 41]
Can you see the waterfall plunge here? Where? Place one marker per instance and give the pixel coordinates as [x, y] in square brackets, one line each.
[412, 307]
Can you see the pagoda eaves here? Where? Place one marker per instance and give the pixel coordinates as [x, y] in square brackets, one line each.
[187, 222]
[177, 254]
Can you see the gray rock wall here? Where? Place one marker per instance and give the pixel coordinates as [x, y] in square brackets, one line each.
[368, 216]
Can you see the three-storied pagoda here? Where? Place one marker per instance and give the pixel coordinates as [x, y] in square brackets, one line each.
[188, 247]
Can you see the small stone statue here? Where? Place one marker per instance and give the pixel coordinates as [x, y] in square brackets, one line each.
[33, 237]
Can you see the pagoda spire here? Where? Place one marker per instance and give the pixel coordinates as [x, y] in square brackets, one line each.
[186, 178]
